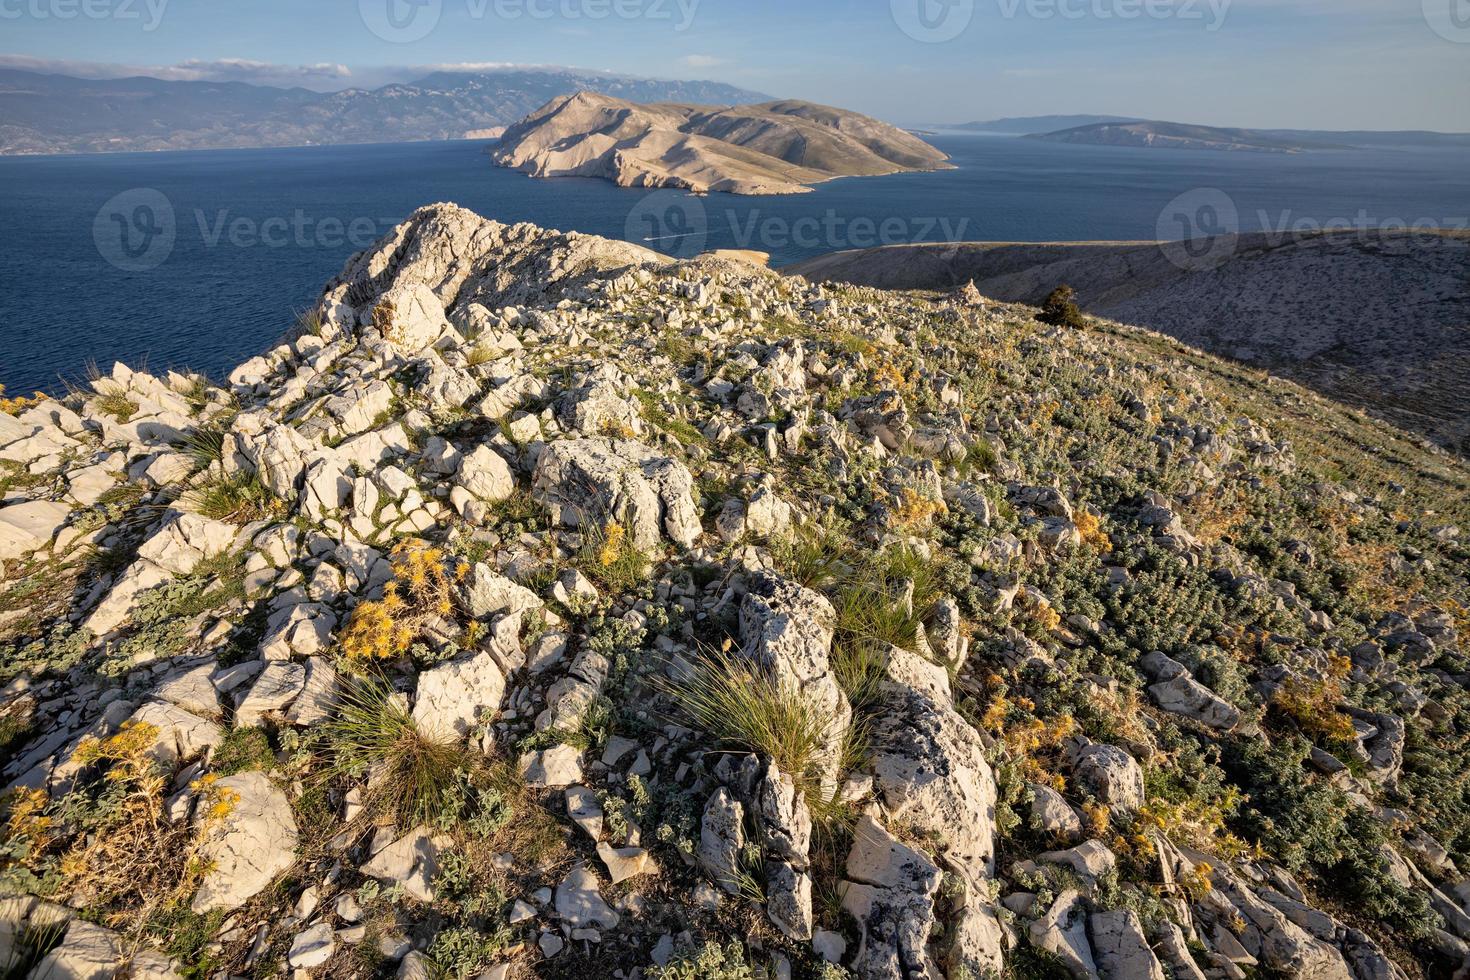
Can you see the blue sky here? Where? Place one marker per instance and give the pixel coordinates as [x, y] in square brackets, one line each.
[1380, 64]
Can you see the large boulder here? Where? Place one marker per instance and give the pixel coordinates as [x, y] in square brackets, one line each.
[86, 952]
[1120, 948]
[890, 891]
[485, 593]
[455, 697]
[722, 839]
[411, 861]
[411, 317]
[579, 901]
[597, 481]
[179, 735]
[1176, 691]
[1062, 932]
[249, 838]
[1111, 774]
[30, 526]
[929, 763]
[275, 690]
[174, 549]
[274, 454]
[485, 475]
[472, 261]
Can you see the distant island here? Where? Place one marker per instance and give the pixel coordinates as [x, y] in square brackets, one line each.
[1181, 136]
[1131, 131]
[768, 148]
[1029, 125]
[44, 113]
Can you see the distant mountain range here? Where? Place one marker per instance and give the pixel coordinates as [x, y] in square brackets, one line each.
[41, 113]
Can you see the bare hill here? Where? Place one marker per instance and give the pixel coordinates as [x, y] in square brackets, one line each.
[770, 148]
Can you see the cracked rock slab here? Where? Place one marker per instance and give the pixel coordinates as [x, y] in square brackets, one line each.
[595, 481]
[253, 843]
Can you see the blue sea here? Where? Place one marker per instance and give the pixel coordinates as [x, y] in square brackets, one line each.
[200, 259]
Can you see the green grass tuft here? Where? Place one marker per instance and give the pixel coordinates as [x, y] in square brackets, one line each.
[737, 703]
[414, 776]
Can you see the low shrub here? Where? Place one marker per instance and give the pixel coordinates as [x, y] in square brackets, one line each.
[739, 703]
[609, 558]
[1060, 308]
[238, 500]
[711, 961]
[244, 750]
[387, 628]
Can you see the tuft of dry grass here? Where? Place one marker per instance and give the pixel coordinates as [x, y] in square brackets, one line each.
[411, 774]
[740, 704]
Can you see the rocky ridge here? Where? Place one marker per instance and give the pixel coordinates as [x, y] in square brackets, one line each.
[426, 643]
[1371, 318]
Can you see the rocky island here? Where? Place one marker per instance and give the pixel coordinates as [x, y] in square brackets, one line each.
[543, 607]
[769, 148]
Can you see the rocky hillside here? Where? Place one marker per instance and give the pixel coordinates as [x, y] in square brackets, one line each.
[1380, 320]
[548, 608]
[56, 114]
[772, 148]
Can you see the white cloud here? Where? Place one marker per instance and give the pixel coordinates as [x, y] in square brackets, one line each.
[701, 61]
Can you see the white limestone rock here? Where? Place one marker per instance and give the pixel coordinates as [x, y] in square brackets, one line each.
[246, 849]
[596, 481]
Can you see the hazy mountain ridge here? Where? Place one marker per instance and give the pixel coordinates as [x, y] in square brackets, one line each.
[769, 148]
[58, 114]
